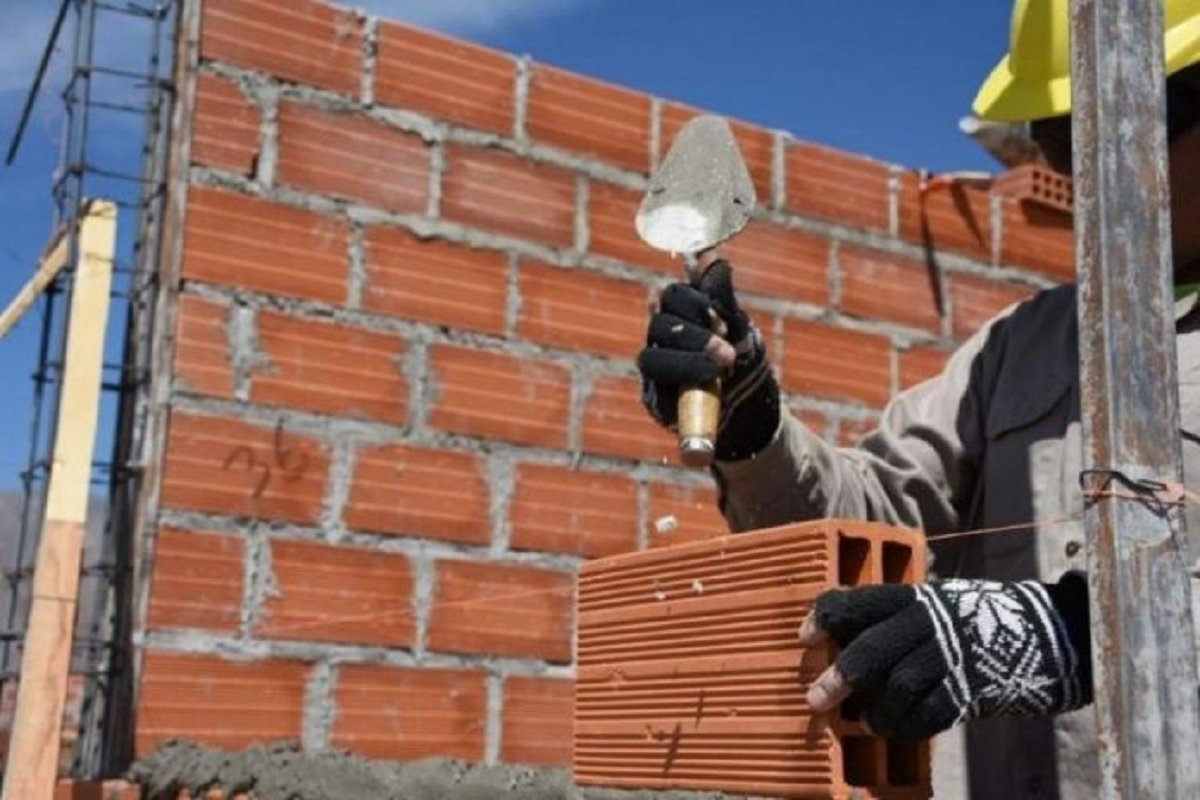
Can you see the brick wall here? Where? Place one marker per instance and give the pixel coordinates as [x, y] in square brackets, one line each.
[405, 300]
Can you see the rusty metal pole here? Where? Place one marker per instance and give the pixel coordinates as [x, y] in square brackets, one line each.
[1143, 643]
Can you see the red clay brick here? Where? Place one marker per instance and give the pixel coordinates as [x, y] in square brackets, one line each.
[695, 513]
[831, 185]
[225, 130]
[71, 789]
[197, 581]
[611, 232]
[330, 369]
[780, 263]
[921, 363]
[578, 310]
[1038, 185]
[768, 324]
[237, 240]
[1039, 238]
[354, 157]
[955, 218]
[502, 610]
[883, 286]
[445, 78]
[757, 145]
[851, 431]
[815, 421]
[840, 364]
[227, 466]
[434, 281]
[408, 491]
[616, 424]
[977, 300]
[561, 510]
[202, 362]
[302, 41]
[408, 714]
[503, 193]
[347, 595]
[537, 721]
[499, 396]
[229, 705]
[590, 117]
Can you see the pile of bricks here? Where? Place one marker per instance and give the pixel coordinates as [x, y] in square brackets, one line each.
[396, 405]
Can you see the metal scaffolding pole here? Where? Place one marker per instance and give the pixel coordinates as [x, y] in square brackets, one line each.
[1144, 654]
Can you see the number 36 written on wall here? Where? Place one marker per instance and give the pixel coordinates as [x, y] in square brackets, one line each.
[284, 461]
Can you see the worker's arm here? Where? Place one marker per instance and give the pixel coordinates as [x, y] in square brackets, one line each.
[920, 657]
[917, 469]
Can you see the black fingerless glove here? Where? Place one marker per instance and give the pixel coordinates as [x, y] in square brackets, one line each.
[923, 658]
[675, 356]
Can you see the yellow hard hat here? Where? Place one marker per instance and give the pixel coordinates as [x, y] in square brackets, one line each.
[1034, 80]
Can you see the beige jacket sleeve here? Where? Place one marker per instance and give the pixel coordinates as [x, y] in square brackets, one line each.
[917, 469]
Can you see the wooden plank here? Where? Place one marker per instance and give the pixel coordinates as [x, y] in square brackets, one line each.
[41, 692]
[54, 259]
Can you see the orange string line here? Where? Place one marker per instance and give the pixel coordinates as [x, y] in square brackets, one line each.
[1172, 494]
[334, 619]
[1020, 526]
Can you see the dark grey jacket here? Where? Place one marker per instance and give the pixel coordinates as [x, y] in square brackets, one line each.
[992, 441]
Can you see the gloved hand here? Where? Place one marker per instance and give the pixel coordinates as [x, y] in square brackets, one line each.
[699, 333]
[922, 658]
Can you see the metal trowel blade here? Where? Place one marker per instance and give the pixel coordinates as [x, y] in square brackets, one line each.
[701, 194]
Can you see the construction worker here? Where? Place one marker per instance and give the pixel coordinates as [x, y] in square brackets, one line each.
[1001, 639]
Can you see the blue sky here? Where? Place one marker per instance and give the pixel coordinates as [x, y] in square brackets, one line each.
[885, 78]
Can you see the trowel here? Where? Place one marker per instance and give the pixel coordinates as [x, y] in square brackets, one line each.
[700, 196]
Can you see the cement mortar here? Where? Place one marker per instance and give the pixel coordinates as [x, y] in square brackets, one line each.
[282, 772]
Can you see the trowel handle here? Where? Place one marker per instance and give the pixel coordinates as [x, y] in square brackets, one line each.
[699, 412]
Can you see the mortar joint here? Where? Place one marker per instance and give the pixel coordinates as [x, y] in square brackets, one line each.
[319, 707]
[779, 145]
[494, 728]
[370, 46]
[501, 479]
[524, 80]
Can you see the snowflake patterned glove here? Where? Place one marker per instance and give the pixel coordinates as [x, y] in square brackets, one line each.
[919, 659]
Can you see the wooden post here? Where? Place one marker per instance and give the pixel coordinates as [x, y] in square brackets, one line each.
[41, 692]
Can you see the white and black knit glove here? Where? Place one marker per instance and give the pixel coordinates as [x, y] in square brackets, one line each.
[699, 333]
[916, 660]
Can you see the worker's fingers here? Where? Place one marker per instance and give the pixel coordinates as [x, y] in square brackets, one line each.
[868, 660]
[913, 679]
[828, 691]
[933, 714]
[717, 283]
[720, 351]
[686, 302]
[671, 333]
[811, 634]
[845, 613]
[676, 333]
[677, 367]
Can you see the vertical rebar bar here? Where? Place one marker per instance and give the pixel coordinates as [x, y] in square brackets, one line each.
[101, 648]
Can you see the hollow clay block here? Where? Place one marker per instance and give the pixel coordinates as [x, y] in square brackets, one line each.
[690, 675]
[1036, 184]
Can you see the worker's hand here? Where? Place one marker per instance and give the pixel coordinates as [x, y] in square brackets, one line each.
[698, 333]
[922, 658]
